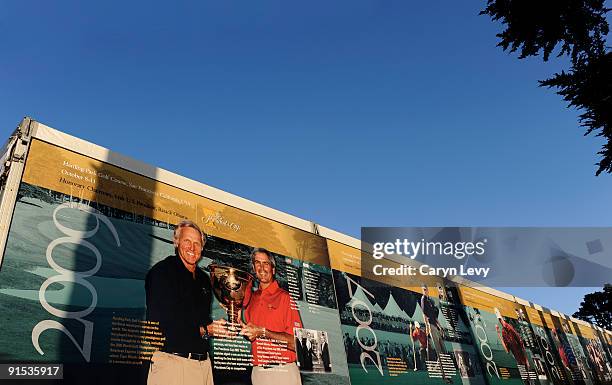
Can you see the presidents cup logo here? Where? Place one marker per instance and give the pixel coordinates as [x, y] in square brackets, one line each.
[217, 219]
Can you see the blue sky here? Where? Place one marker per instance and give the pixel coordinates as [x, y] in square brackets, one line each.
[348, 113]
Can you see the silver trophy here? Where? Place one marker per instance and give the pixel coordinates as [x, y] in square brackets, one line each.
[229, 285]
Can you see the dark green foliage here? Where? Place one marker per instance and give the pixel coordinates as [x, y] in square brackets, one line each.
[596, 308]
[533, 26]
[588, 86]
[579, 29]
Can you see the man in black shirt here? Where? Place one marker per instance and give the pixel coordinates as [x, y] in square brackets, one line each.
[178, 298]
[325, 352]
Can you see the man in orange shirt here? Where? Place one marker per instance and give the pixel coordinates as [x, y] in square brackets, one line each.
[271, 317]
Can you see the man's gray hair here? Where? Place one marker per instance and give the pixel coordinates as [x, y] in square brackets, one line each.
[266, 253]
[188, 223]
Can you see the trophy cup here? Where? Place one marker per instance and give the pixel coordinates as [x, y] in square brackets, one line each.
[229, 285]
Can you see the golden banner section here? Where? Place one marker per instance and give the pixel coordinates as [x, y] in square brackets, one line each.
[584, 330]
[564, 324]
[549, 320]
[487, 302]
[344, 258]
[534, 316]
[573, 327]
[66, 172]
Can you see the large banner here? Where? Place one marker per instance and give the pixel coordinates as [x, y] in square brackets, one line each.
[510, 349]
[86, 234]
[99, 275]
[548, 350]
[605, 339]
[572, 356]
[394, 334]
[594, 349]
